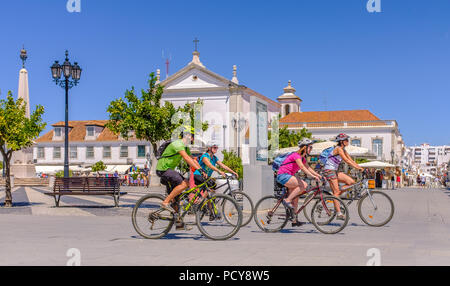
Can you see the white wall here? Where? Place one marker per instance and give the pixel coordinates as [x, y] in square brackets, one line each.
[98, 153]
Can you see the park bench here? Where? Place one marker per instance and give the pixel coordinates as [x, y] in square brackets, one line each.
[86, 186]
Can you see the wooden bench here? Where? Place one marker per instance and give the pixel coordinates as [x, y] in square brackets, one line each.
[86, 186]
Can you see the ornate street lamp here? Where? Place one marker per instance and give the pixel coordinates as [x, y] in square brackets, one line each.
[239, 124]
[68, 71]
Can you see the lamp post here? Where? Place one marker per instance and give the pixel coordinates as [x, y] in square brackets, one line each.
[68, 71]
[392, 156]
[238, 125]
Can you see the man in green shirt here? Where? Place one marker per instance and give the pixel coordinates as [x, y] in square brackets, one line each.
[170, 159]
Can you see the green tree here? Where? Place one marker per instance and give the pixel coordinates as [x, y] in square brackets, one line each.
[60, 174]
[17, 132]
[232, 160]
[361, 160]
[289, 138]
[147, 117]
[99, 166]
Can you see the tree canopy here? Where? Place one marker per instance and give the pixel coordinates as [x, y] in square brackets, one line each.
[17, 132]
[148, 118]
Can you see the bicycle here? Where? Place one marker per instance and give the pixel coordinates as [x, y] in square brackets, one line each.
[213, 213]
[244, 201]
[270, 210]
[375, 208]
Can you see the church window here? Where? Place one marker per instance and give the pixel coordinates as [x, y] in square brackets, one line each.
[287, 109]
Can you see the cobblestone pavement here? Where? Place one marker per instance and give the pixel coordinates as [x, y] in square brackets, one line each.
[34, 232]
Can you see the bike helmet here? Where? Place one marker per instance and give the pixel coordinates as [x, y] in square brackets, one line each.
[341, 137]
[305, 142]
[212, 144]
[187, 129]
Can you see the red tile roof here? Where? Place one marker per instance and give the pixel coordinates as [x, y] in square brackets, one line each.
[78, 132]
[329, 116]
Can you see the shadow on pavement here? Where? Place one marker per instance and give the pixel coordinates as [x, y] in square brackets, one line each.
[93, 207]
[22, 204]
[178, 236]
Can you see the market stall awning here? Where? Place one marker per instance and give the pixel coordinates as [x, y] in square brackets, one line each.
[49, 170]
[121, 169]
[319, 147]
[377, 164]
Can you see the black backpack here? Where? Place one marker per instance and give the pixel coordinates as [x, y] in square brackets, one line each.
[162, 148]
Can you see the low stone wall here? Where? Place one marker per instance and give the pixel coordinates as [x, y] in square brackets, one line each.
[27, 182]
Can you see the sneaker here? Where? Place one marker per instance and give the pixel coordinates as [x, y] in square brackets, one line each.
[290, 209]
[297, 223]
[182, 226]
[340, 217]
[168, 208]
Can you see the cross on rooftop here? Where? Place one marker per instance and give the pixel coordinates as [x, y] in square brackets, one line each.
[196, 41]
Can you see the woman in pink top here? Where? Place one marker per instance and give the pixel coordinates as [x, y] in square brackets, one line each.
[286, 176]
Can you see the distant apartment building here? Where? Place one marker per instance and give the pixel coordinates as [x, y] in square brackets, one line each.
[426, 158]
[89, 142]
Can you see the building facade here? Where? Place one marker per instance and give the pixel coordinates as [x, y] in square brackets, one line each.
[89, 143]
[237, 115]
[380, 137]
[427, 159]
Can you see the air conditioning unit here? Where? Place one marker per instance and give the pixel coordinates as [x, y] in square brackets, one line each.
[34, 161]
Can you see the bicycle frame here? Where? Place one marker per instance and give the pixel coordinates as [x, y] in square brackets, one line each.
[228, 189]
[198, 192]
[317, 190]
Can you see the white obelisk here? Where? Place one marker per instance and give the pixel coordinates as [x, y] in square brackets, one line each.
[22, 161]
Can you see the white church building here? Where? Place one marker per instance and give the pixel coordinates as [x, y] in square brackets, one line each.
[237, 115]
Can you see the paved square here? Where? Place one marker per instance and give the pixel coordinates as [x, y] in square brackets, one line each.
[36, 233]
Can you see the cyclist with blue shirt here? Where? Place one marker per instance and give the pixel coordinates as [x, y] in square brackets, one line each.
[208, 163]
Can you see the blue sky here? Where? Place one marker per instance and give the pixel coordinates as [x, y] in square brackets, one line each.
[340, 57]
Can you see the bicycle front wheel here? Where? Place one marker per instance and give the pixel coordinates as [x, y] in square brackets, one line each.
[270, 214]
[376, 209]
[246, 206]
[149, 220]
[219, 217]
[324, 215]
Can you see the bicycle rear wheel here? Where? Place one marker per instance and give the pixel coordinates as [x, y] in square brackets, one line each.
[268, 216]
[377, 209]
[246, 206]
[219, 217]
[149, 220]
[324, 215]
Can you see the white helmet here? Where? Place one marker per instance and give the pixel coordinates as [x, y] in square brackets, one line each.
[305, 142]
[212, 143]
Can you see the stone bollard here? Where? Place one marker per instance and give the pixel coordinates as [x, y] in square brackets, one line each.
[51, 181]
